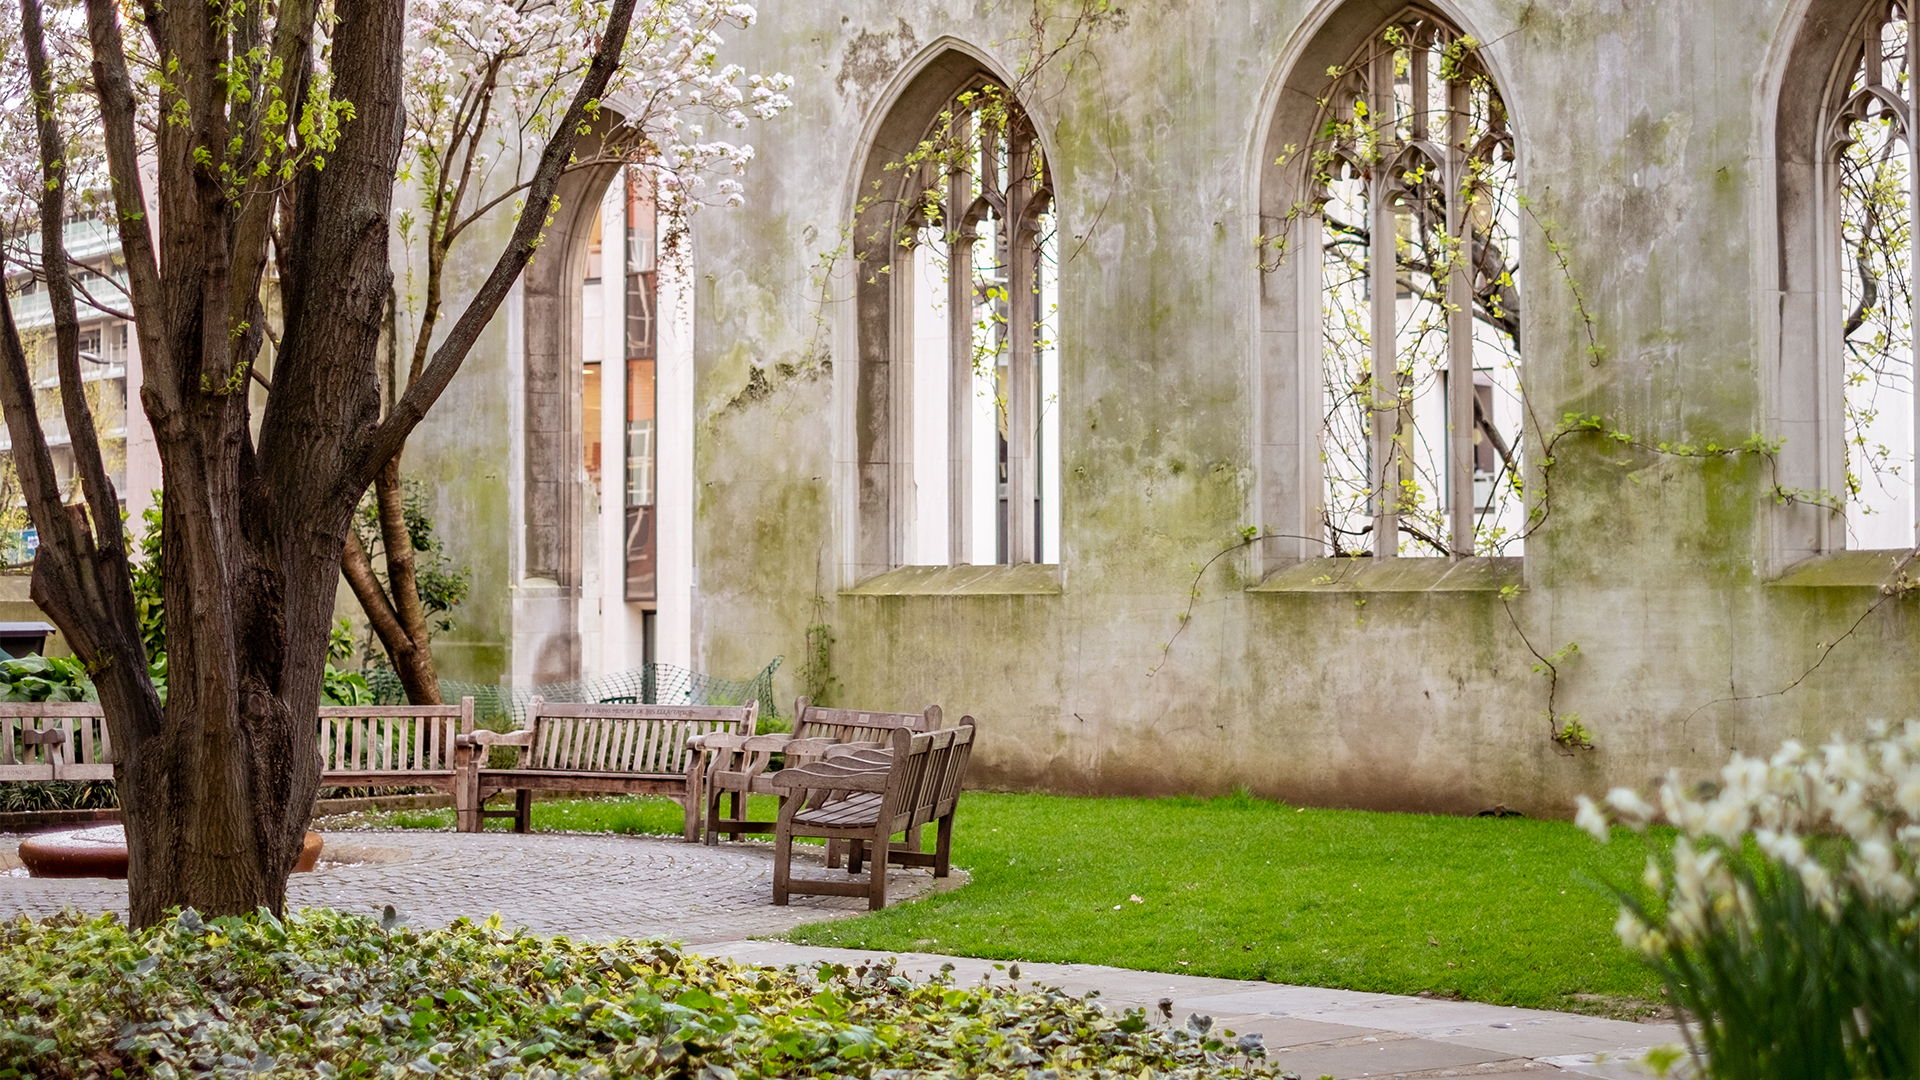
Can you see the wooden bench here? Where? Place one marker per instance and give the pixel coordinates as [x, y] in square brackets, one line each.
[737, 766]
[627, 749]
[54, 740]
[400, 746]
[865, 798]
[361, 746]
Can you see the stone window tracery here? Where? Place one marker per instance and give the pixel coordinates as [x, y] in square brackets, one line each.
[1413, 194]
[1870, 157]
[970, 384]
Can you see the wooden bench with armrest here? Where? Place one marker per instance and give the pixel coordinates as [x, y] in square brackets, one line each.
[865, 798]
[625, 749]
[737, 766]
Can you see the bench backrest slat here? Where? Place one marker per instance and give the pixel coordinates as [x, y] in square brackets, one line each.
[87, 753]
[647, 740]
[857, 725]
[394, 740]
[928, 768]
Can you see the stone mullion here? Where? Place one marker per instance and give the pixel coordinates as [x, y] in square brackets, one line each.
[899, 415]
[1020, 334]
[1382, 263]
[1459, 293]
[960, 303]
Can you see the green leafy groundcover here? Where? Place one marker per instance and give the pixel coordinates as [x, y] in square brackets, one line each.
[328, 994]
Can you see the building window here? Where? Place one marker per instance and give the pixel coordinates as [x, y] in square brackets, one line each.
[1412, 204]
[1871, 158]
[642, 278]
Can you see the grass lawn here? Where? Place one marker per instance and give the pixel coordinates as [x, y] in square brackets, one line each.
[1505, 910]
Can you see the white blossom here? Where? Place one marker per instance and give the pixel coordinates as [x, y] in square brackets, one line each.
[1844, 820]
[1592, 819]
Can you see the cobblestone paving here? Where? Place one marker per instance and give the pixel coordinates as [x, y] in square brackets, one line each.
[587, 886]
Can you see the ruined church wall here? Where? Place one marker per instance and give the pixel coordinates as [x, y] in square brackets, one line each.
[1644, 143]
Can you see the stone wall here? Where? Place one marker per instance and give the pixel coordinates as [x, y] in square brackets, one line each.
[1645, 135]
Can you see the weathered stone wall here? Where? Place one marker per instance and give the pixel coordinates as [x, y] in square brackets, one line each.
[1644, 134]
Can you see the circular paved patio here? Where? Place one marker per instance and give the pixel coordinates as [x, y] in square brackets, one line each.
[587, 886]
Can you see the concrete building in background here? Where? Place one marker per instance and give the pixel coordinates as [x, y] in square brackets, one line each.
[109, 367]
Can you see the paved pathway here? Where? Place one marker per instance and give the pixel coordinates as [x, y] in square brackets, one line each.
[717, 898]
[591, 886]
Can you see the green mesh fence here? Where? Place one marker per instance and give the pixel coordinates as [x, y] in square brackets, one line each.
[649, 684]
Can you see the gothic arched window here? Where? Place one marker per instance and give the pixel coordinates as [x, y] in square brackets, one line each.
[957, 425]
[1870, 157]
[1408, 197]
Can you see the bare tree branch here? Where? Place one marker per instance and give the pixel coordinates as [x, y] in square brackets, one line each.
[114, 89]
[101, 499]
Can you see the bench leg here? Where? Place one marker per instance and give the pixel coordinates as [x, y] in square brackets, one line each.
[877, 883]
[943, 847]
[782, 866]
[523, 811]
[836, 850]
[692, 801]
[856, 855]
[712, 799]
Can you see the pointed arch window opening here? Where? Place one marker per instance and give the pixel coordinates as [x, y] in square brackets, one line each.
[1418, 202]
[984, 418]
[1871, 150]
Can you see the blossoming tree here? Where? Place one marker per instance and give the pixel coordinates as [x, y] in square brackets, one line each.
[275, 134]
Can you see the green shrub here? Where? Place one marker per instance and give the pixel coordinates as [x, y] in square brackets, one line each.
[58, 795]
[45, 678]
[329, 994]
[1786, 923]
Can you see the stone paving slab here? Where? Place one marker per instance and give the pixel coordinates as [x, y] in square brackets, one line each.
[587, 886]
[1343, 1033]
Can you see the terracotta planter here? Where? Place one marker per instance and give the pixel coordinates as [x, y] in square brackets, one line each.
[102, 852]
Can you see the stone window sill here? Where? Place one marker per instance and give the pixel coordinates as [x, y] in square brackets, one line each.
[1402, 575]
[1032, 579]
[1843, 570]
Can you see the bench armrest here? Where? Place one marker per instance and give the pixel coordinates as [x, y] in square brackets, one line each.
[801, 749]
[717, 740]
[523, 737]
[48, 737]
[842, 751]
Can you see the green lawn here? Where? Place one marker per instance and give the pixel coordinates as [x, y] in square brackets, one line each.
[1506, 910]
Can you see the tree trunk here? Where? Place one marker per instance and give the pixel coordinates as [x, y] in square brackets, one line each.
[216, 802]
[395, 612]
[216, 788]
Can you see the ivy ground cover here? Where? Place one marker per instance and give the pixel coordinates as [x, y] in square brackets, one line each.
[332, 995]
[1505, 910]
